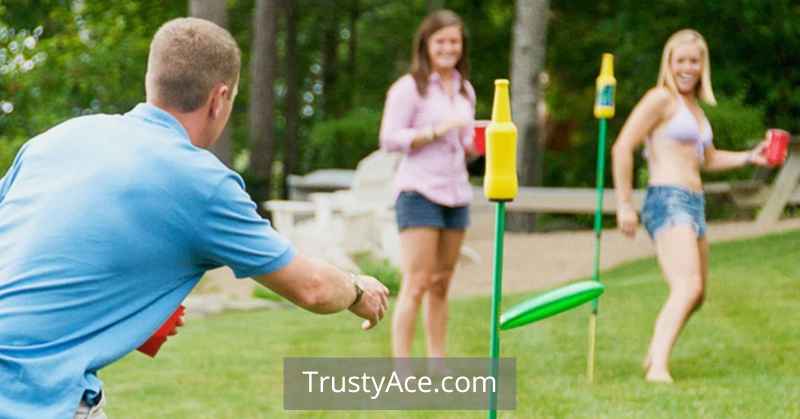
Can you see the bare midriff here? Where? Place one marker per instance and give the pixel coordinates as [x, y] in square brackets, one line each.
[673, 163]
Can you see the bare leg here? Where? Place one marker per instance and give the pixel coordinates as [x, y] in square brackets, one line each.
[704, 256]
[702, 245]
[419, 265]
[449, 248]
[679, 255]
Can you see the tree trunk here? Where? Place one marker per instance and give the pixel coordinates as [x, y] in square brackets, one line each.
[290, 158]
[352, 53]
[215, 11]
[330, 64]
[527, 62]
[262, 100]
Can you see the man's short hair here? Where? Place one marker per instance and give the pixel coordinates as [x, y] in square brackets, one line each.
[188, 57]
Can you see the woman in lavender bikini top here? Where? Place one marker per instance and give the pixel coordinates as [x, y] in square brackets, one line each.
[683, 127]
[678, 145]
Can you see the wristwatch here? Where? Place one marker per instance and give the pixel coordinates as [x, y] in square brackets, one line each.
[359, 290]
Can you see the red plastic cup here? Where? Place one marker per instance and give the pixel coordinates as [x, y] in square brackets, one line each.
[479, 141]
[778, 146]
[153, 344]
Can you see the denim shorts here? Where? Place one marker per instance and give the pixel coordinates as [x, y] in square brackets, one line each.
[414, 210]
[669, 206]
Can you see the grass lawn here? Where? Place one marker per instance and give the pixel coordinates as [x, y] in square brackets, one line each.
[738, 357]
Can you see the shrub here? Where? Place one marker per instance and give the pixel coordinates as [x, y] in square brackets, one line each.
[381, 269]
[735, 124]
[341, 143]
[736, 127]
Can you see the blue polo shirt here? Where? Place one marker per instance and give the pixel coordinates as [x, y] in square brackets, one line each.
[106, 223]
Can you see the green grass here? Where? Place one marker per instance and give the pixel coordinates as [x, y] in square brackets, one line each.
[266, 294]
[736, 359]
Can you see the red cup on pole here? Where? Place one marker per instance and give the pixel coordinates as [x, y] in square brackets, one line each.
[777, 147]
[479, 141]
[153, 344]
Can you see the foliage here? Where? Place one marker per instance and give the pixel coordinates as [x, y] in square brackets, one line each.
[342, 142]
[750, 53]
[18, 56]
[91, 58]
[736, 127]
[95, 52]
[743, 343]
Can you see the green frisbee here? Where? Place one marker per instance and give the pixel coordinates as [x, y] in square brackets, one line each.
[550, 304]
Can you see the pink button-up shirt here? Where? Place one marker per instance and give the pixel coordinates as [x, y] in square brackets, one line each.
[437, 170]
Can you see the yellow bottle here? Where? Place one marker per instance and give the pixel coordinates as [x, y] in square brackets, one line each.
[500, 181]
[606, 87]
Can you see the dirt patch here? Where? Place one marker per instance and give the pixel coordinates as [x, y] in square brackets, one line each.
[538, 261]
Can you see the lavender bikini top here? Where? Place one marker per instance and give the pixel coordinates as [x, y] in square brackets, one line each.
[683, 127]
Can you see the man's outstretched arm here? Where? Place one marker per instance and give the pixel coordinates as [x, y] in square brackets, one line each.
[321, 288]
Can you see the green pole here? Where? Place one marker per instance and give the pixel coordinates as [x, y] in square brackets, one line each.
[598, 212]
[603, 109]
[598, 230]
[497, 292]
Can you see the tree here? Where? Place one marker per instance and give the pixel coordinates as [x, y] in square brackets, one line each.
[527, 62]
[291, 142]
[262, 99]
[352, 52]
[215, 11]
[330, 64]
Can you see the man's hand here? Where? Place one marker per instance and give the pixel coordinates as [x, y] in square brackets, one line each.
[373, 303]
[627, 220]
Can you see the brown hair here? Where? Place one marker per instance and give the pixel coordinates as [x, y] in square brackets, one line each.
[188, 57]
[420, 62]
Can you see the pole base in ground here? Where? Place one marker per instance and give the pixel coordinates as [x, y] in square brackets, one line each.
[592, 341]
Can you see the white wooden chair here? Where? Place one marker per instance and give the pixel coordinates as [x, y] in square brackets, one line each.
[358, 219]
[354, 220]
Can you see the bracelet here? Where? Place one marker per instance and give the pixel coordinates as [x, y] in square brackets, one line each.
[359, 290]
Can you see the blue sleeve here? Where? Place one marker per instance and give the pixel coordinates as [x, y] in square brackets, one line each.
[233, 234]
[5, 183]
[8, 178]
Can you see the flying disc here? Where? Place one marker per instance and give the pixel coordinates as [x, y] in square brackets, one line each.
[550, 304]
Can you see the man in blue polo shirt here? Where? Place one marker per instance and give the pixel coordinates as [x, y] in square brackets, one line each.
[107, 222]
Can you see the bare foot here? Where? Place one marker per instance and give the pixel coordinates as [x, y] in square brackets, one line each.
[658, 376]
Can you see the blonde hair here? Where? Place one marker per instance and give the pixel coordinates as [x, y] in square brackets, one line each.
[666, 79]
[188, 57]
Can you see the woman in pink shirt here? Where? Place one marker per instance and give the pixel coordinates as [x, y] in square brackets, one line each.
[428, 116]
